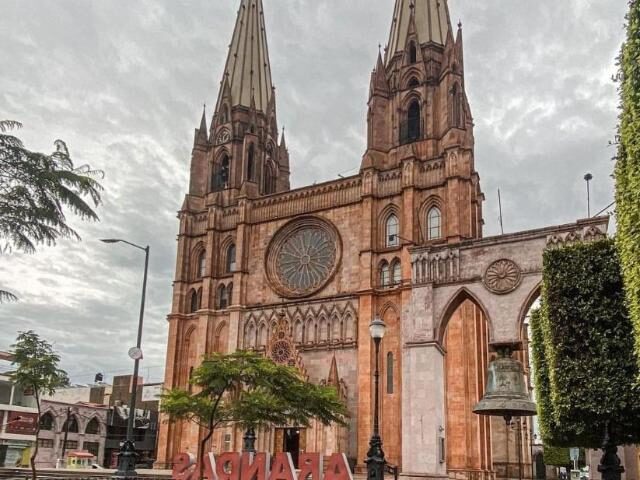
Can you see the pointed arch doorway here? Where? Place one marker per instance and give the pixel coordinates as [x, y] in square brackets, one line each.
[468, 451]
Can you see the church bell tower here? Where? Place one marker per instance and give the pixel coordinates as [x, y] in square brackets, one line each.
[240, 155]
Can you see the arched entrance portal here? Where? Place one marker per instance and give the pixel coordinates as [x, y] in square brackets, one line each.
[468, 436]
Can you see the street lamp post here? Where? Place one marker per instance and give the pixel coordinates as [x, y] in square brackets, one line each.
[375, 456]
[587, 178]
[127, 456]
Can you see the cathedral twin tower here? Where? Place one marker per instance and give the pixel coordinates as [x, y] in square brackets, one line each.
[260, 264]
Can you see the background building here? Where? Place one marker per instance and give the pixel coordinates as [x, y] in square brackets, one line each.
[145, 423]
[94, 419]
[18, 417]
[82, 424]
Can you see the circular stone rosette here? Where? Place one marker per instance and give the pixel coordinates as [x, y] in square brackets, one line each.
[503, 276]
[303, 257]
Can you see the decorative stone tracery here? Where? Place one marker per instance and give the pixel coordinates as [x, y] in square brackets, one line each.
[503, 276]
[303, 256]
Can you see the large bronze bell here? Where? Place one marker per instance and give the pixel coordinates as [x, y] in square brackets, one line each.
[506, 394]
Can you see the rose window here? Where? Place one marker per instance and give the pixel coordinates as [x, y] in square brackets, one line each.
[281, 351]
[303, 257]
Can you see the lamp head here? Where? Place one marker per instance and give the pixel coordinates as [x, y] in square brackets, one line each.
[588, 177]
[377, 328]
[109, 240]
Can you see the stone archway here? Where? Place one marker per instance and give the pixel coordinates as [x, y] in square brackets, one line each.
[500, 276]
[468, 436]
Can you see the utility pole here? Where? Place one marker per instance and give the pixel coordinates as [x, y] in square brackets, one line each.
[66, 432]
[500, 207]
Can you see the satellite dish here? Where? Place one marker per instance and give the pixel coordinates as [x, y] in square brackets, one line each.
[135, 353]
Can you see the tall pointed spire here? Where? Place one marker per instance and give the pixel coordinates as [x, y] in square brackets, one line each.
[248, 71]
[201, 137]
[432, 23]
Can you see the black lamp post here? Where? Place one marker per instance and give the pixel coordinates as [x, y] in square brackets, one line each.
[128, 455]
[587, 178]
[375, 456]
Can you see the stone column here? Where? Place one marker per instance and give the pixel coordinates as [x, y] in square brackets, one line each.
[423, 406]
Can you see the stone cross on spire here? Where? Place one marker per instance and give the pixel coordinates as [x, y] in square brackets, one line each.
[248, 70]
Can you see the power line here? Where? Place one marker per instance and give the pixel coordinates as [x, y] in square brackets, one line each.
[605, 208]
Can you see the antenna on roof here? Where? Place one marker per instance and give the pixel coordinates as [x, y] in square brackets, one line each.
[500, 217]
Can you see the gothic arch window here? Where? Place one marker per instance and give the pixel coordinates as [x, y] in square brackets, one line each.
[249, 336]
[385, 274]
[413, 82]
[413, 53]
[396, 272]
[220, 174]
[297, 331]
[222, 297]
[262, 335]
[413, 121]
[71, 425]
[230, 264]
[93, 427]
[323, 330]
[434, 224]
[224, 172]
[392, 231]
[251, 162]
[46, 421]
[195, 300]
[221, 338]
[269, 179]
[390, 367]
[310, 331]
[349, 328]
[202, 264]
[230, 294]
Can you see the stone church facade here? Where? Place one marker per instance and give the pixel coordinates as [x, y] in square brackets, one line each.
[299, 274]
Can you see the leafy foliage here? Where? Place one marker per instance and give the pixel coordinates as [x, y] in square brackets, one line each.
[250, 390]
[583, 350]
[36, 370]
[35, 191]
[541, 379]
[556, 456]
[627, 172]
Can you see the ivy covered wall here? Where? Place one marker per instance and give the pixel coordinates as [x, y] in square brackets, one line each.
[627, 172]
[582, 349]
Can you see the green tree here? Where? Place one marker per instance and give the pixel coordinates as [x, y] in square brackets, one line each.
[37, 371]
[35, 191]
[251, 391]
[627, 173]
[582, 350]
[557, 456]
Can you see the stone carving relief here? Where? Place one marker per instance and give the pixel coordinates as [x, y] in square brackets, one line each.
[437, 267]
[302, 257]
[311, 327]
[223, 137]
[588, 234]
[502, 276]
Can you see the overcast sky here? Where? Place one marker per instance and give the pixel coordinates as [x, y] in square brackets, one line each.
[123, 83]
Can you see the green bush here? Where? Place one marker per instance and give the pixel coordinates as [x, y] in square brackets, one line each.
[556, 456]
[627, 172]
[582, 349]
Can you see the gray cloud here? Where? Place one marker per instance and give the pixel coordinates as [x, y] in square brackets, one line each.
[123, 84]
